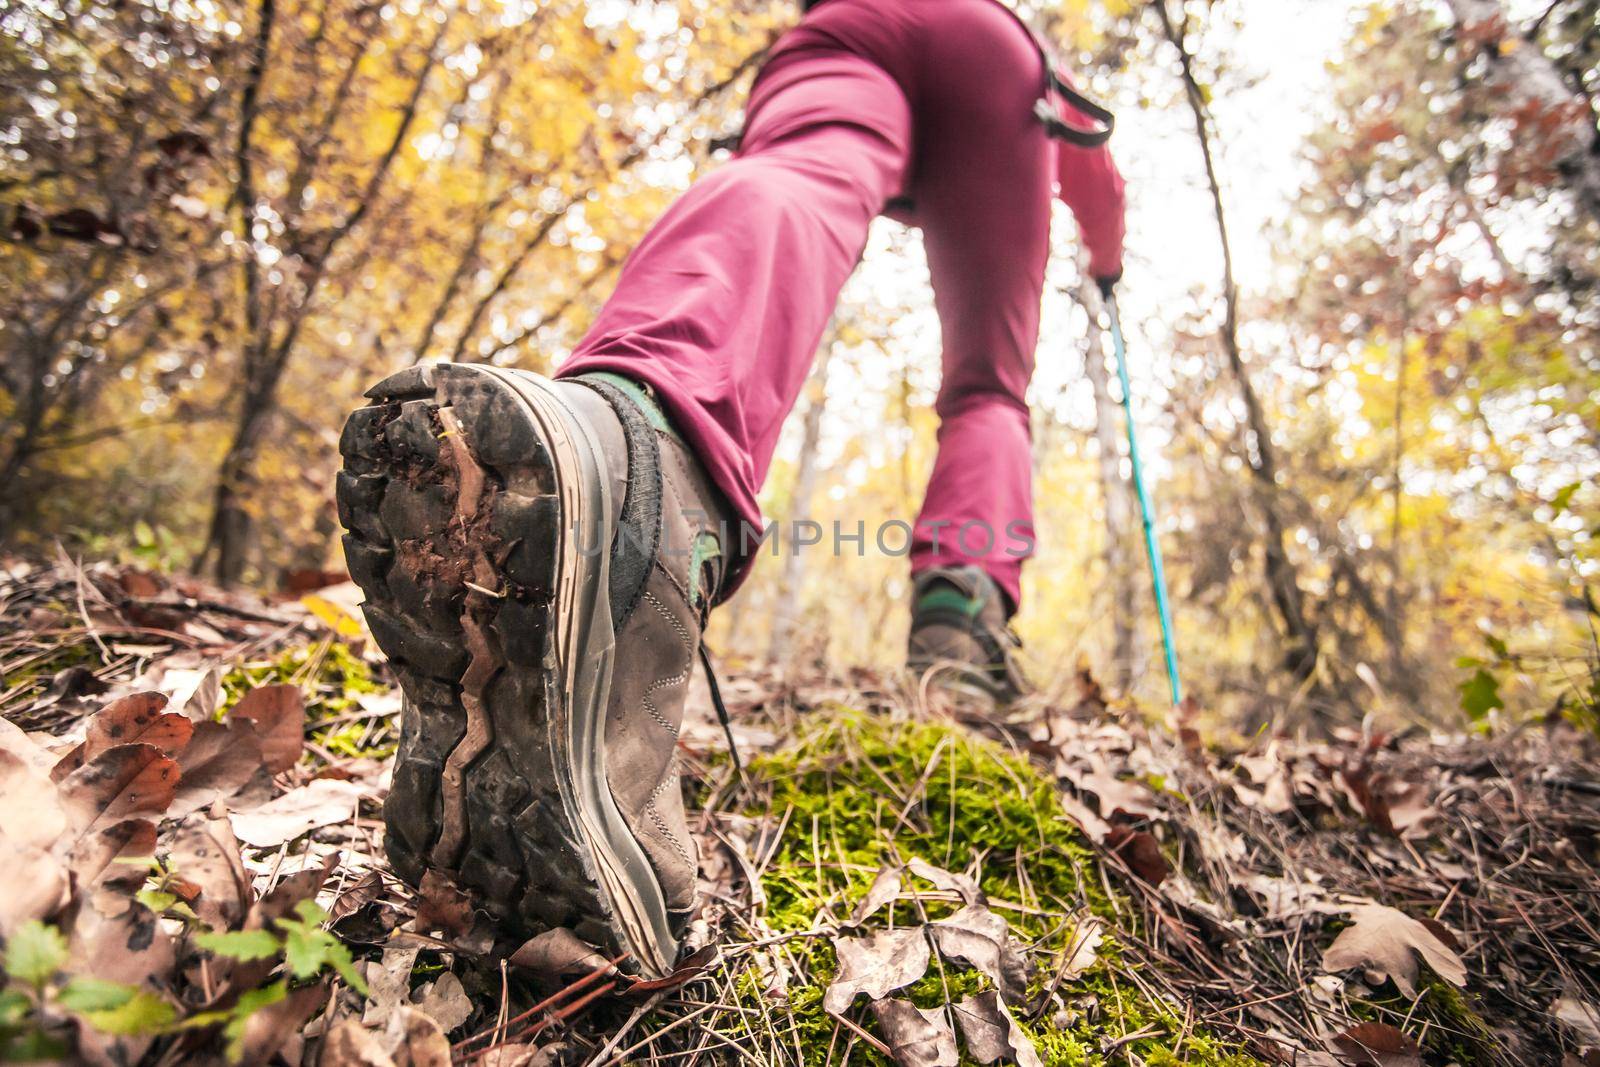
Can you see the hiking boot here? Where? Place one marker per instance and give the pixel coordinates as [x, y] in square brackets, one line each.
[959, 636]
[538, 559]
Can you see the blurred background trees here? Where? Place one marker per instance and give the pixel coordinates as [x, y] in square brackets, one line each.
[1376, 441]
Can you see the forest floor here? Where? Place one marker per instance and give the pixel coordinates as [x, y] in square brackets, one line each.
[198, 875]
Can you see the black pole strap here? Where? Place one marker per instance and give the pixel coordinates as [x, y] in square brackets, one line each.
[1060, 129]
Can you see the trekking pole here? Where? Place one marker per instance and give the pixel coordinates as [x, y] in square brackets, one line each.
[1158, 577]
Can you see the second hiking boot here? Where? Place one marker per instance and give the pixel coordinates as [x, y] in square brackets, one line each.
[959, 636]
[538, 558]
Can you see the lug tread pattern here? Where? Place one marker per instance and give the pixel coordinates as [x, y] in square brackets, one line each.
[396, 496]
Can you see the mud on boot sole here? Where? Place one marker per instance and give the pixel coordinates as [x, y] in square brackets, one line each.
[459, 491]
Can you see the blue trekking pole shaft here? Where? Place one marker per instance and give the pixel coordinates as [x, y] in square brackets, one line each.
[1158, 576]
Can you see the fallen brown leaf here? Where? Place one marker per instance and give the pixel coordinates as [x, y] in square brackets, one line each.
[389, 983]
[115, 938]
[33, 880]
[445, 1001]
[1141, 852]
[1114, 795]
[1387, 943]
[221, 762]
[414, 1040]
[1579, 1016]
[117, 853]
[125, 782]
[917, 1037]
[352, 899]
[1377, 1045]
[134, 719]
[991, 1033]
[884, 888]
[349, 1044]
[959, 884]
[269, 1029]
[559, 956]
[442, 906]
[14, 741]
[279, 714]
[979, 938]
[205, 854]
[322, 802]
[876, 965]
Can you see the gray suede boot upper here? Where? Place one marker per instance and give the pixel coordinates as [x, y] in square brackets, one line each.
[667, 565]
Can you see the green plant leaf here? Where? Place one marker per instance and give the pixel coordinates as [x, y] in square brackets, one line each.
[35, 1046]
[242, 945]
[14, 1007]
[248, 1004]
[156, 900]
[1480, 694]
[1563, 498]
[341, 961]
[94, 994]
[35, 953]
[143, 1014]
[308, 948]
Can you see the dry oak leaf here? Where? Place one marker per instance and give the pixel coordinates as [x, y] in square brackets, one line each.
[979, 938]
[991, 1033]
[1112, 794]
[137, 718]
[876, 965]
[1582, 1017]
[279, 712]
[276, 1027]
[1386, 943]
[885, 887]
[389, 983]
[445, 1001]
[960, 884]
[443, 906]
[1083, 951]
[1140, 850]
[33, 880]
[917, 1037]
[322, 802]
[125, 782]
[220, 761]
[205, 855]
[1093, 826]
[1377, 1045]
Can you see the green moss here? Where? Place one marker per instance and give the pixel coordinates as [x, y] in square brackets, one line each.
[855, 790]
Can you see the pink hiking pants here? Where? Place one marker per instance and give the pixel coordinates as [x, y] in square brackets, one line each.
[721, 306]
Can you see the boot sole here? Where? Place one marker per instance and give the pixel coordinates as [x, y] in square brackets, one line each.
[478, 527]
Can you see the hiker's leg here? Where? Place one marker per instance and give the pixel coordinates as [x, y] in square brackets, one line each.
[982, 190]
[721, 306]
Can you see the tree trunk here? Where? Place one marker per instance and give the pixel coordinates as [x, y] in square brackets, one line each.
[1530, 80]
[1300, 655]
[231, 524]
[786, 613]
[1129, 650]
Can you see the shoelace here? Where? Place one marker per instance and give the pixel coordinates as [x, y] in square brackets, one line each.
[721, 708]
